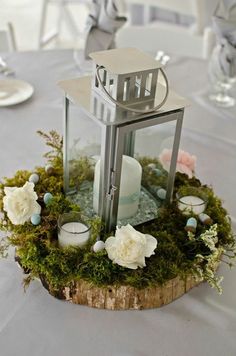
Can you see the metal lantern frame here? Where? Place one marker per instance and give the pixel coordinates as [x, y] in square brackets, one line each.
[118, 138]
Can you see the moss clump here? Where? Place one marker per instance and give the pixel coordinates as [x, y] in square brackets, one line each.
[177, 251]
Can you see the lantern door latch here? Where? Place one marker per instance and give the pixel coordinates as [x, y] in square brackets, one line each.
[113, 188]
[111, 193]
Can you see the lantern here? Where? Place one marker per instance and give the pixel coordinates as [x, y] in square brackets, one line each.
[113, 122]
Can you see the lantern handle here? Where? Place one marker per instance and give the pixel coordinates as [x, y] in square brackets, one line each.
[116, 102]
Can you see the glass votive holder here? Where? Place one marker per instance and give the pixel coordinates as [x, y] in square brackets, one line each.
[191, 200]
[73, 230]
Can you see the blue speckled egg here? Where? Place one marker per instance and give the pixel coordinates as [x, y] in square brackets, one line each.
[35, 219]
[205, 219]
[34, 178]
[47, 198]
[191, 225]
[161, 193]
[152, 166]
[49, 169]
[98, 246]
[192, 222]
[157, 172]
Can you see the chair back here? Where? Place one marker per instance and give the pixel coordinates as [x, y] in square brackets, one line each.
[7, 39]
[191, 8]
[184, 7]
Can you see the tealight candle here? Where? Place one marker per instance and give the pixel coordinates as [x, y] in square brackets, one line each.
[191, 204]
[72, 231]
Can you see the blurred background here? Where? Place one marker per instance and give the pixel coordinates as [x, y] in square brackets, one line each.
[33, 19]
[27, 16]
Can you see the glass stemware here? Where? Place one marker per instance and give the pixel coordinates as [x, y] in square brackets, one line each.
[221, 83]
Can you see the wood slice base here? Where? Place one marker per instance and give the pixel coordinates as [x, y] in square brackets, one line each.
[123, 297]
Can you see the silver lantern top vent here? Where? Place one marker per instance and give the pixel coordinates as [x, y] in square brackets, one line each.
[127, 77]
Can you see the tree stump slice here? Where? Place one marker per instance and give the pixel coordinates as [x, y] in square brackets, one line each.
[123, 297]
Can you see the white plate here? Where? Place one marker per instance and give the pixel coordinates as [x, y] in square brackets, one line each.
[14, 91]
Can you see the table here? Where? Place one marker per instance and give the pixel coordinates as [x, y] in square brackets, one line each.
[36, 324]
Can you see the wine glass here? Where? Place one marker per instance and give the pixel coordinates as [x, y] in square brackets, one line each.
[221, 83]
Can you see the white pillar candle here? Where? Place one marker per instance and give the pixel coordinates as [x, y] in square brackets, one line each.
[73, 234]
[190, 203]
[130, 186]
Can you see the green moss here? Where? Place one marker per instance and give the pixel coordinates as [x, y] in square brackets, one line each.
[176, 253]
[80, 170]
[149, 177]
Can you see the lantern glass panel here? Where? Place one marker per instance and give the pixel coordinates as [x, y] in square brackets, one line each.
[83, 149]
[145, 172]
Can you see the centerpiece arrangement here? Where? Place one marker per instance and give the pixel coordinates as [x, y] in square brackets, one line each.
[103, 224]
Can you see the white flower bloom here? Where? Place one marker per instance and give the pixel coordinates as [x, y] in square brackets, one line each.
[129, 247]
[210, 238]
[21, 203]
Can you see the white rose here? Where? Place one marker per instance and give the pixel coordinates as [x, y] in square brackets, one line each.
[21, 203]
[129, 247]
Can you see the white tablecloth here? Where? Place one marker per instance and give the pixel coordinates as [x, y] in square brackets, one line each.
[36, 324]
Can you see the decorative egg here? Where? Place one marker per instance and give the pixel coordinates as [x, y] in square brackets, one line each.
[152, 165]
[47, 198]
[98, 246]
[161, 193]
[157, 172]
[191, 225]
[49, 169]
[34, 178]
[205, 219]
[35, 219]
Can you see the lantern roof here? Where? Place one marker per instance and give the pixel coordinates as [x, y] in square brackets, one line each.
[125, 60]
[79, 92]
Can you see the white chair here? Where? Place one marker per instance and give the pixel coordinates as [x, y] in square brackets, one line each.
[64, 14]
[194, 41]
[7, 39]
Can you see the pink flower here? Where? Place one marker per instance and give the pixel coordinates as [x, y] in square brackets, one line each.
[185, 162]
